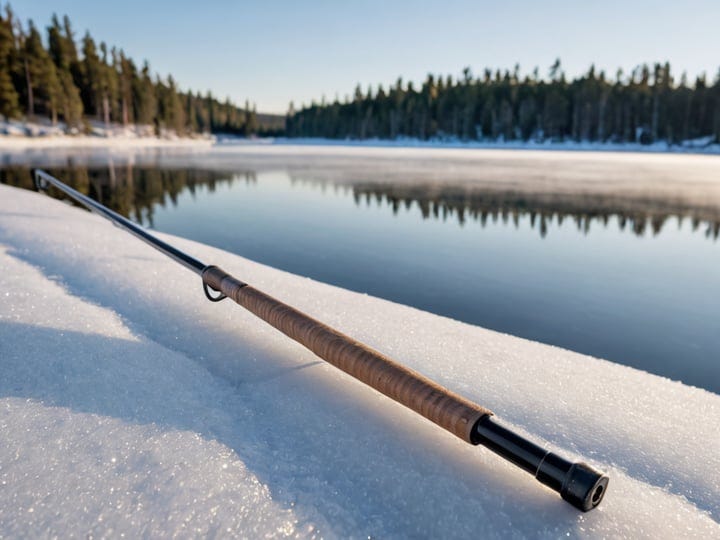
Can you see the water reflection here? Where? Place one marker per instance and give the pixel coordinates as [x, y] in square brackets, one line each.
[646, 302]
[134, 191]
[463, 203]
[130, 190]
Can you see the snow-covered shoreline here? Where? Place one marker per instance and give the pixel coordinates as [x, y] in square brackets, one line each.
[690, 147]
[129, 404]
[19, 135]
[88, 141]
[16, 135]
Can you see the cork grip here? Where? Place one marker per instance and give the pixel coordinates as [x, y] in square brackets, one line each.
[443, 407]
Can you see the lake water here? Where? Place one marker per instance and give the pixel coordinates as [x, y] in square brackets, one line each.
[632, 276]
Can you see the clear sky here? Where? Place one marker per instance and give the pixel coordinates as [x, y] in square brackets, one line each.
[275, 51]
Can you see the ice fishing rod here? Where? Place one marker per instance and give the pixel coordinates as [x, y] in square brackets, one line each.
[578, 483]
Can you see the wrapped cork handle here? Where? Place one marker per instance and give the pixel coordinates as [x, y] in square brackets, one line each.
[578, 483]
[436, 403]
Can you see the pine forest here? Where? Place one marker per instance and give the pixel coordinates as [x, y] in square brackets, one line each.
[62, 80]
[645, 106]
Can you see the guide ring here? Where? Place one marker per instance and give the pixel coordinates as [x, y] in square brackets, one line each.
[210, 297]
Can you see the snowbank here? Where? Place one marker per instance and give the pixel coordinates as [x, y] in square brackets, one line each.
[130, 404]
[16, 135]
[704, 145]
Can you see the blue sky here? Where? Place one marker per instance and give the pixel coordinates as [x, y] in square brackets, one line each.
[275, 51]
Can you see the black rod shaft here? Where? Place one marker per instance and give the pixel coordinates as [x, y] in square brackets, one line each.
[578, 483]
[42, 179]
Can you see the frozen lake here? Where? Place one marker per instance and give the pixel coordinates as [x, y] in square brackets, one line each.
[613, 255]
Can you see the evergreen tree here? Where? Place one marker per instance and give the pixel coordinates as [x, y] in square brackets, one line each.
[210, 111]
[91, 73]
[170, 109]
[36, 64]
[63, 93]
[127, 75]
[61, 46]
[106, 84]
[144, 98]
[52, 89]
[252, 119]
[9, 98]
[71, 103]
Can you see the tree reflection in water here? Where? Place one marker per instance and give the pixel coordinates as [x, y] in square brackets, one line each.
[130, 190]
[133, 191]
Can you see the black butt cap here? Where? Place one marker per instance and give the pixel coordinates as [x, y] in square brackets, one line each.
[584, 487]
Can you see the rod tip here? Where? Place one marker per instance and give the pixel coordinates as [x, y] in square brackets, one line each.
[584, 487]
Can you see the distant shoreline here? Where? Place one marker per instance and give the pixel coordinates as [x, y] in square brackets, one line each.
[17, 135]
[118, 137]
[656, 148]
[14, 143]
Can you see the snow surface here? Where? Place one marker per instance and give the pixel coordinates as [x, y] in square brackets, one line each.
[43, 134]
[16, 134]
[131, 405]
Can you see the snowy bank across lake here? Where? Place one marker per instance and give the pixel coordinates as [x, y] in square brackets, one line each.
[16, 135]
[704, 145]
[130, 404]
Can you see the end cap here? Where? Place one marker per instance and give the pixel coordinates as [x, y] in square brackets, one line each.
[584, 487]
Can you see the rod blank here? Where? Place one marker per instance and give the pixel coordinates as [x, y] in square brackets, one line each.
[43, 180]
[578, 483]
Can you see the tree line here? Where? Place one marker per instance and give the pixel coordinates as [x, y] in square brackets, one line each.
[647, 105]
[55, 80]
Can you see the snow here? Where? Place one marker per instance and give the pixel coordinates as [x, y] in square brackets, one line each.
[15, 134]
[18, 135]
[131, 405]
[703, 145]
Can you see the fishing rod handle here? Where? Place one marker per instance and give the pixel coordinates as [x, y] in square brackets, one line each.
[424, 396]
[577, 483]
